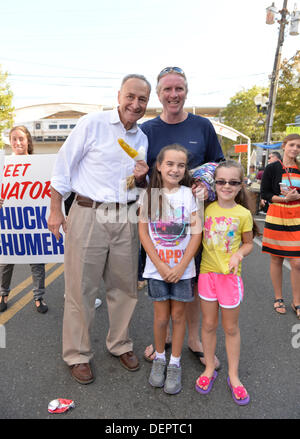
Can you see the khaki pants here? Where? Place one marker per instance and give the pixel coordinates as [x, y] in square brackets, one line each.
[96, 250]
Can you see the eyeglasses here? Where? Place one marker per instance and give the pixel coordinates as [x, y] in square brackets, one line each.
[170, 70]
[230, 182]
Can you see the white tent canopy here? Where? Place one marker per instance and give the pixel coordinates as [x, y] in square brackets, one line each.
[231, 133]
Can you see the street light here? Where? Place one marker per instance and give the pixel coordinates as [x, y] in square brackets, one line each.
[270, 19]
[261, 101]
[295, 19]
[271, 12]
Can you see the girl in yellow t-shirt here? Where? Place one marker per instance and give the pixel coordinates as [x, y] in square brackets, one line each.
[227, 238]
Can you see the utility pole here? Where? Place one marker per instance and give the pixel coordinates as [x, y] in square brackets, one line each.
[275, 75]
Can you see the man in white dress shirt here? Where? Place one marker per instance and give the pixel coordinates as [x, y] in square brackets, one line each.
[93, 165]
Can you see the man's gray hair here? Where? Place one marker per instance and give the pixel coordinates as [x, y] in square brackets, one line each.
[136, 76]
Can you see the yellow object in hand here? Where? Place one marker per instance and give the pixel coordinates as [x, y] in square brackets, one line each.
[130, 151]
[140, 154]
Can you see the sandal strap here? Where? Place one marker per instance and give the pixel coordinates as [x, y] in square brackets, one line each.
[281, 301]
[240, 391]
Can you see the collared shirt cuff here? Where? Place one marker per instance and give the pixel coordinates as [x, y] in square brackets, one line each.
[61, 187]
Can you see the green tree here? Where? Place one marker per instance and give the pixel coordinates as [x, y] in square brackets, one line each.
[288, 94]
[241, 113]
[6, 108]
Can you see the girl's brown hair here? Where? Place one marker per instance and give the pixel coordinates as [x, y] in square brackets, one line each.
[156, 182]
[242, 197]
[27, 134]
[287, 139]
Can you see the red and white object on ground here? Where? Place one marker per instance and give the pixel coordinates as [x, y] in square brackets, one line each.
[60, 405]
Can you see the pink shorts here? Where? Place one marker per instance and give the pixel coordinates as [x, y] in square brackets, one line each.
[227, 289]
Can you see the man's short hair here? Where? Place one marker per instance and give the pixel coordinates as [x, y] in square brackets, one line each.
[277, 154]
[136, 76]
[167, 73]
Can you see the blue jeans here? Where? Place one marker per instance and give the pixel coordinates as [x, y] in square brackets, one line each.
[159, 290]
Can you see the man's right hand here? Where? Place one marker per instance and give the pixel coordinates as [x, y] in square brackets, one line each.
[55, 220]
[56, 217]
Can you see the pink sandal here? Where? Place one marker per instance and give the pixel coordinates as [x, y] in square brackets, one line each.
[240, 392]
[204, 381]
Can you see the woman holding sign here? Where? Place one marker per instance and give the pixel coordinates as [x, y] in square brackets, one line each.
[21, 144]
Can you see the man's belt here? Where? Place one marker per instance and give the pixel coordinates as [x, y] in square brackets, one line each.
[88, 202]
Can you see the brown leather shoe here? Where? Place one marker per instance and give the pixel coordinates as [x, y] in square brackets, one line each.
[82, 373]
[130, 361]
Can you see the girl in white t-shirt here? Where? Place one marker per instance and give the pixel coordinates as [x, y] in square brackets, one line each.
[170, 232]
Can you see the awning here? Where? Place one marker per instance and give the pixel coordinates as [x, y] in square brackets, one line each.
[273, 146]
[233, 134]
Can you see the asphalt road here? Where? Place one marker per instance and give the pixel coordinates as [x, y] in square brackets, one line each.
[33, 373]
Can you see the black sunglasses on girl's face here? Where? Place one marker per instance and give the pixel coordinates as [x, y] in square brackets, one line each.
[230, 182]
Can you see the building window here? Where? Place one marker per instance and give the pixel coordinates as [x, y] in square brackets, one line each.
[72, 126]
[63, 127]
[37, 126]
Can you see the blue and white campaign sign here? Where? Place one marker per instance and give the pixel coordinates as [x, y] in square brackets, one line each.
[25, 238]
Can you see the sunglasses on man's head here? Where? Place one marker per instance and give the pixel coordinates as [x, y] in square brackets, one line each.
[170, 70]
[230, 182]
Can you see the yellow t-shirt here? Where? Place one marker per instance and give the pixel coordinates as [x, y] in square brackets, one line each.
[222, 236]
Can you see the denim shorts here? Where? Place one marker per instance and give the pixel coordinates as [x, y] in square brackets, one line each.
[159, 290]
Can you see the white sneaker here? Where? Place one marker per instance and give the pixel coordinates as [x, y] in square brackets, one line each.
[98, 302]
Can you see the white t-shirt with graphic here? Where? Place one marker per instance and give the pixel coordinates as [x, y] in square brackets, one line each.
[171, 236]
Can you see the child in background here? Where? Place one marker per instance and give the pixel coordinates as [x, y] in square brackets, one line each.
[170, 232]
[227, 239]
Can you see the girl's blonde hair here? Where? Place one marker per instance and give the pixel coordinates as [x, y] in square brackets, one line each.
[242, 197]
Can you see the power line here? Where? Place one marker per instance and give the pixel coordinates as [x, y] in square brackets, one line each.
[65, 84]
[119, 74]
[28, 75]
[60, 67]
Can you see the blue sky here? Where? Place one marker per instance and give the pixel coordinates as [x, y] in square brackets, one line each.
[78, 51]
